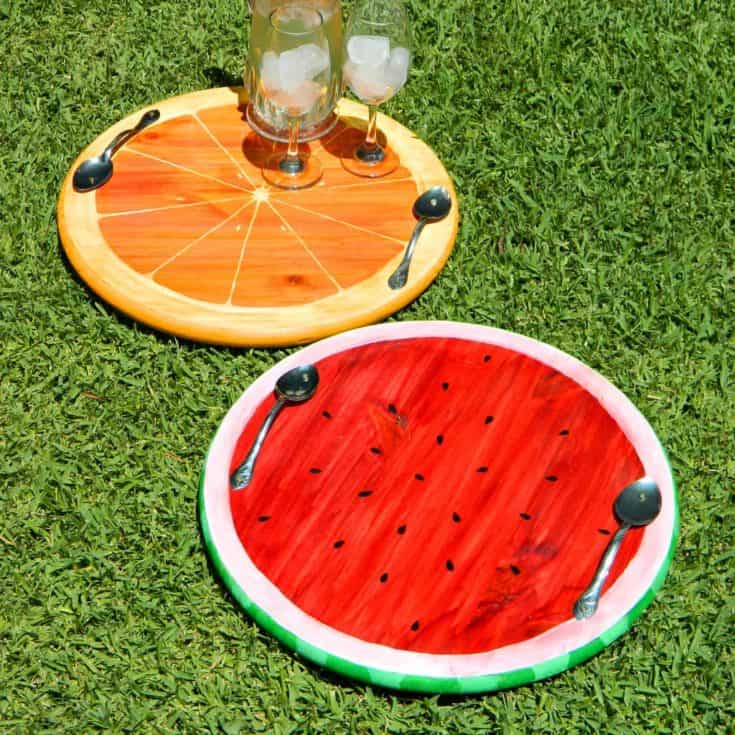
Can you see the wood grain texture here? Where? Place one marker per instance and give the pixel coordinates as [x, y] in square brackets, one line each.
[436, 495]
[188, 238]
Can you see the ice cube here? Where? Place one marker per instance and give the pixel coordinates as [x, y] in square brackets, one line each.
[301, 63]
[291, 70]
[269, 74]
[367, 81]
[396, 71]
[400, 56]
[301, 99]
[315, 59]
[371, 50]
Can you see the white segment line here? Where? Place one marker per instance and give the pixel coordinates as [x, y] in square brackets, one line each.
[226, 151]
[201, 237]
[334, 281]
[242, 253]
[339, 221]
[172, 206]
[188, 170]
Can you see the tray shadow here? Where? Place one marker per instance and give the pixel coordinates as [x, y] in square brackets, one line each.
[122, 318]
[257, 150]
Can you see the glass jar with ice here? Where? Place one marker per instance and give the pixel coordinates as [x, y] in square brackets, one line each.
[294, 78]
[264, 116]
[376, 64]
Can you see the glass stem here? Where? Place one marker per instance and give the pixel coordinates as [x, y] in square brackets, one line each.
[293, 138]
[371, 139]
[292, 164]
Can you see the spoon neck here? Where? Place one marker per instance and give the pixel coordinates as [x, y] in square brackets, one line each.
[414, 238]
[115, 143]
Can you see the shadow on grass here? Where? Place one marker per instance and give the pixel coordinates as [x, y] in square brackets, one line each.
[218, 77]
[127, 321]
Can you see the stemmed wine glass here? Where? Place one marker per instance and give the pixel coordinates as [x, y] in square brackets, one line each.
[376, 63]
[294, 76]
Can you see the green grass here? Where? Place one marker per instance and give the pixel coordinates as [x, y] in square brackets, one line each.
[593, 147]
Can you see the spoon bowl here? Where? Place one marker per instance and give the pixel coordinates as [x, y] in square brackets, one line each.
[298, 385]
[638, 503]
[93, 173]
[431, 206]
[434, 204]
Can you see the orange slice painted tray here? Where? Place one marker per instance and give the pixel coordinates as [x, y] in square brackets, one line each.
[189, 239]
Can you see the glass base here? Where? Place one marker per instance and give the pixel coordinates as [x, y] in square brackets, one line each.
[261, 127]
[372, 163]
[287, 173]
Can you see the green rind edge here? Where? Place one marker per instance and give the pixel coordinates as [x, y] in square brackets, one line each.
[430, 684]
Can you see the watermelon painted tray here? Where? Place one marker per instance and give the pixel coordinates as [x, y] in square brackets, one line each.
[188, 238]
[427, 520]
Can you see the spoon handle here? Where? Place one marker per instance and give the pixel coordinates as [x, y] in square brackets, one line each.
[586, 605]
[400, 275]
[241, 477]
[148, 119]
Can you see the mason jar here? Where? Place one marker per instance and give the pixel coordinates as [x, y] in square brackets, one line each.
[262, 115]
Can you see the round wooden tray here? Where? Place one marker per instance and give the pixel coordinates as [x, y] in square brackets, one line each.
[428, 518]
[188, 238]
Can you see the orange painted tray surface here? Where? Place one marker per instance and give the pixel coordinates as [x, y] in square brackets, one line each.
[188, 238]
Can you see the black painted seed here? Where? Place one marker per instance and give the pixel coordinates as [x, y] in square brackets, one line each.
[315, 470]
[415, 625]
[364, 493]
[263, 519]
[326, 414]
[402, 529]
[440, 440]
[339, 544]
[384, 577]
[564, 432]
[514, 569]
[445, 386]
[525, 516]
[482, 469]
[450, 565]
[456, 517]
[551, 478]
[603, 531]
[486, 358]
[375, 450]
[418, 476]
[489, 419]
[392, 408]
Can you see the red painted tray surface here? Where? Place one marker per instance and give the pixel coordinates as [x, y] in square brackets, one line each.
[436, 495]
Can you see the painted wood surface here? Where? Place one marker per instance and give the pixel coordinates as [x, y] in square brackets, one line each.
[188, 238]
[436, 495]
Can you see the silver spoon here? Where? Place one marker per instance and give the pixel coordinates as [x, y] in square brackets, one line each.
[295, 386]
[97, 171]
[636, 505]
[433, 205]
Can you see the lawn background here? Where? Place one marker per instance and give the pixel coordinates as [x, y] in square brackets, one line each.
[591, 144]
